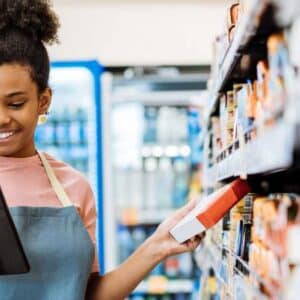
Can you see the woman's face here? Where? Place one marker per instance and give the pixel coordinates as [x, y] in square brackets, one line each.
[20, 106]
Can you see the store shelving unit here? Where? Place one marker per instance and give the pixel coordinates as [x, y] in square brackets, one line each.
[251, 157]
[267, 155]
[214, 254]
[255, 157]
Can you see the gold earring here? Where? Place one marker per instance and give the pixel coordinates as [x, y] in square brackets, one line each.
[42, 119]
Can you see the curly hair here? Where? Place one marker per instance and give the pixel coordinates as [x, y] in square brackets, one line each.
[25, 27]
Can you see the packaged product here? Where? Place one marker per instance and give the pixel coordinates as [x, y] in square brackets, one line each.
[223, 119]
[264, 102]
[210, 210]
[230, 118]
[278, 62]
[217, 142]
[239, 113]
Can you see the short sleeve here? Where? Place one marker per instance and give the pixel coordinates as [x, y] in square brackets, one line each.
[89, 217]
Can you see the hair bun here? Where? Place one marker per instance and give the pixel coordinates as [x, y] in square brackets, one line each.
[33, 17]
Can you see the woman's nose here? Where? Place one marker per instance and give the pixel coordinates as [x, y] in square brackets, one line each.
[4, 117]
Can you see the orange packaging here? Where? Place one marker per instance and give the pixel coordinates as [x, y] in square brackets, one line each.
[210, 210]
[222, 202]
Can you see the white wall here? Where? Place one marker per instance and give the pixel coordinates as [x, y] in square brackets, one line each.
[138, 32]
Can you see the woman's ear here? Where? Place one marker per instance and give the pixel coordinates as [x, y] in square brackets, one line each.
[44, 101]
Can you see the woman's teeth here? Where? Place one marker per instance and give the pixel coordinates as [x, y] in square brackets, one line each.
[5, 135]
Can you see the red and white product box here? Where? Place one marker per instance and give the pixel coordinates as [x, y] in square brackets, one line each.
[210, 210]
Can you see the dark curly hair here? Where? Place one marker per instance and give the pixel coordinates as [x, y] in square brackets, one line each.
[25, 27]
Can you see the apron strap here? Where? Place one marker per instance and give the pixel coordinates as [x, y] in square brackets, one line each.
[59, 190]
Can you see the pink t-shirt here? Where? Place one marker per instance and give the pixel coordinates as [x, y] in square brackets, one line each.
[24, 183]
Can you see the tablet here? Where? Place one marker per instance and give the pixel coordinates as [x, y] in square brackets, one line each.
[12, 256]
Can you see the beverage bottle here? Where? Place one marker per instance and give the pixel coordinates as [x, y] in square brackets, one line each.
[165, 182]
[181, 181]
[150, 129]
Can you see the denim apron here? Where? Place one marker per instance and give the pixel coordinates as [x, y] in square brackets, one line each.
[58, 247]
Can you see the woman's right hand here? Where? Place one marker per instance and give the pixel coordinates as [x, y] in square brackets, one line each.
[165, 243]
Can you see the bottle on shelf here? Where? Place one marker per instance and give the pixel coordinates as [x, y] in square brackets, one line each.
[181, 179]
[165, 183]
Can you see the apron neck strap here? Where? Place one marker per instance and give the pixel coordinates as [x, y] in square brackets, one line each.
[56, 185]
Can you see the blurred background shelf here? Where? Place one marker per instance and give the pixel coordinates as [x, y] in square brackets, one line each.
[163, 285]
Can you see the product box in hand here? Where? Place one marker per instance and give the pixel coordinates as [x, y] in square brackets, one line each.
[210, 210]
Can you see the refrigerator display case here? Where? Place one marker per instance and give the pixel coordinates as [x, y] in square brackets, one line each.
[73, 132]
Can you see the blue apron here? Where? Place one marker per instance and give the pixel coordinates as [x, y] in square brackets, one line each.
[58, 247]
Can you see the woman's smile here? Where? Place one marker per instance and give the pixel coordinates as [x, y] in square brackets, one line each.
[8, 135]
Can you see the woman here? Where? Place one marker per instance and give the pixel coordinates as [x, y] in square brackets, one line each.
[52, 204]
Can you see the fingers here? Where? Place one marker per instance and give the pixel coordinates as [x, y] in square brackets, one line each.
[191, 244]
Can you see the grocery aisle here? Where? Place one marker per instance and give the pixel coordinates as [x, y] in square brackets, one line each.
[248, 130]
[176, 129]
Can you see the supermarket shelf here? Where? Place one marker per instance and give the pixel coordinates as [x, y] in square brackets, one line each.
[161, 285]
[252, 272]
[246, 30]
[165, 98]
[213, 253]
[135, 217]
[262, 155]
[208, 255]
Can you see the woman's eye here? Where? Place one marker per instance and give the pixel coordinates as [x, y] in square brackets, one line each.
[16, 105]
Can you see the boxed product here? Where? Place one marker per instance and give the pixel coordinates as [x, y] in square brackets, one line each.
[279, 70]
[217, 142]
[263, 107]
[210, 210]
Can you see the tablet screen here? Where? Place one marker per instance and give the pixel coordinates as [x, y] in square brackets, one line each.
[12, 256]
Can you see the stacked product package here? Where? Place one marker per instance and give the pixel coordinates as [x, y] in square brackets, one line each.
[248, 108]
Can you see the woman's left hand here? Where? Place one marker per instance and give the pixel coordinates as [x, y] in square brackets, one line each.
[165, 243]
